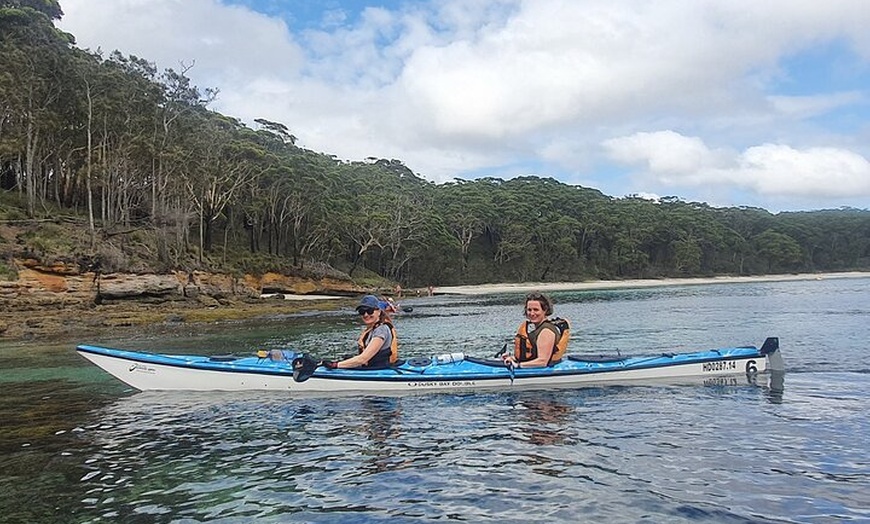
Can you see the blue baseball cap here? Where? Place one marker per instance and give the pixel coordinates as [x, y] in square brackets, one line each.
[369, 301]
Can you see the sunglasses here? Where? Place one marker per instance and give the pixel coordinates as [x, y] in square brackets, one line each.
[366, 311]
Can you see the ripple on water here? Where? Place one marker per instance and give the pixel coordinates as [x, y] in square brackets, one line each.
[735, 452]
[677, 453]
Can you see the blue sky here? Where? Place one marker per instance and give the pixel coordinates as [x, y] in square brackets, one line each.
[305, 15]
[729, 102]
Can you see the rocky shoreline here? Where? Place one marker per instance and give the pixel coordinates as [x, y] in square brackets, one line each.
[59, 300]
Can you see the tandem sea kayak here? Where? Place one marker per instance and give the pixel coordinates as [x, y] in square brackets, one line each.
[451, 372]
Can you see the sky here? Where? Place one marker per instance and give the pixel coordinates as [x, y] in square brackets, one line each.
[728, 102]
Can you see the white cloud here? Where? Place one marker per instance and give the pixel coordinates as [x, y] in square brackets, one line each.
[225, 43]
[773, 169]
[671, 159]
[452, 86]
[669, 155]
[810, 106]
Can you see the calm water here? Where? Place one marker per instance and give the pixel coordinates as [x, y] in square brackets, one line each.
[78, 446]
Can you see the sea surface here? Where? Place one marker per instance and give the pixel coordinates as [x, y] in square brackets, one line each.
[78, 446]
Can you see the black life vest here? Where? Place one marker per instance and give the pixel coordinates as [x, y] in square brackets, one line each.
[387, 355]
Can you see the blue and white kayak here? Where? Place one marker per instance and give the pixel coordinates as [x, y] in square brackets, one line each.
[152, 371]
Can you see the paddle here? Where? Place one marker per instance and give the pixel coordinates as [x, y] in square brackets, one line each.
[508, 363]
[303, 367]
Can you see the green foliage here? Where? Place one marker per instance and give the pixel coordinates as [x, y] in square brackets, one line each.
[779, 251]
[49, 242]
[11, 207]
[132, 172]
[49, 8]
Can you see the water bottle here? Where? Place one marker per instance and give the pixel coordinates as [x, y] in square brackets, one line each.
[448, 358]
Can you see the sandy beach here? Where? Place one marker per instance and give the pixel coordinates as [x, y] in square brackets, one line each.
[484, 289]
[524, 287]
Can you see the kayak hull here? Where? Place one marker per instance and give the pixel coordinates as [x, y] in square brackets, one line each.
[153, 371]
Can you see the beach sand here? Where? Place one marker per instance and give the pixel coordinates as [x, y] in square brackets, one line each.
[525, 287]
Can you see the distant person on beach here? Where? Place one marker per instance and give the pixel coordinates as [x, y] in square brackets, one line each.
[377, 344]
[540, 341]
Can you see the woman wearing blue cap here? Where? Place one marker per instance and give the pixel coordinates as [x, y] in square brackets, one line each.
[378, 346]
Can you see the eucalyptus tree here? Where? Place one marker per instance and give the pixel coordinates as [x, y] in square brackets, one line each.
[32, 55]
[175, 143]
[385, 211]
[86, 72]
[277, 132]
[319, 193]
[831, 238]
[543, 234]
[49, 8]
[222, 164]
[415, 230]
[292, 194]
[128, 97]
[290, 202]
[512, 227]
[584, 207]
[465, 208]
[679, 234]
[743, 223]
[630, 255]
[778, 251]
[362, 217]
[556, 247]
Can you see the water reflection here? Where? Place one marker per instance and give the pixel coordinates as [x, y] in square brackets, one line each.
[775, 387]
[381, 429]
[543, 419]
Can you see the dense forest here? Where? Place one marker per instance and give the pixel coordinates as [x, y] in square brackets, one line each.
[147, 177]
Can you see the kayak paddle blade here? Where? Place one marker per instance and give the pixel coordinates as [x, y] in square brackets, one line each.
[303, 368]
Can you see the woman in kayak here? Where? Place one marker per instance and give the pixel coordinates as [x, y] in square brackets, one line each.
[377, 345]
[540, 341]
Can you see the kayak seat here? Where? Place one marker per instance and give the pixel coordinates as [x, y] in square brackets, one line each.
[486, 361]
[600, 359]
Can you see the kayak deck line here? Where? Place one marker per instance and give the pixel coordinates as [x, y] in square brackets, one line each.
[157, 371]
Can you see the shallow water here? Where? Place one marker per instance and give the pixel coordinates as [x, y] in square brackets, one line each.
[78, 446]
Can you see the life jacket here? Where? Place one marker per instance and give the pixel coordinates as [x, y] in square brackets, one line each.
[525, 343]
[386, 356]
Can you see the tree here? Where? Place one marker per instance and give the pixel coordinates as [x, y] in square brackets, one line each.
[215, 179]
[32, 58]
[465, 209]
[779, 251]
